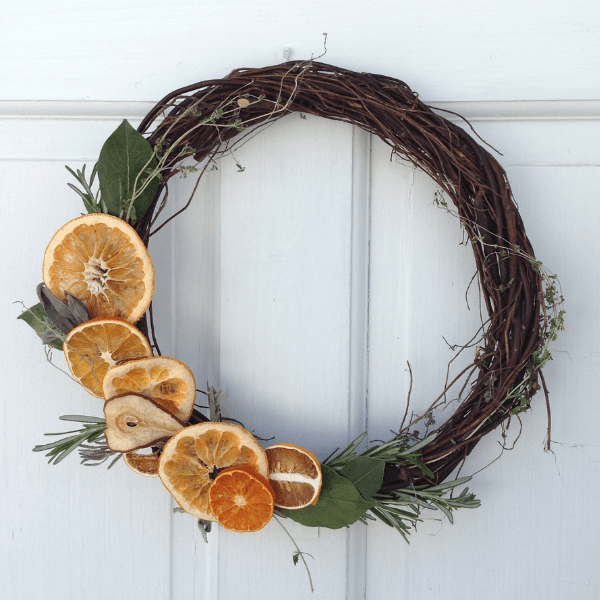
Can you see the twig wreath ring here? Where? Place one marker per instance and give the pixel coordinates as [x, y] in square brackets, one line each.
[149, 412]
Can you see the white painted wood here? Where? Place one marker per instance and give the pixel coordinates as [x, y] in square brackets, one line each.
[526, 483]
[84, 541]
[286, 235]
[531, 514]
[141, 50]
[341, 238]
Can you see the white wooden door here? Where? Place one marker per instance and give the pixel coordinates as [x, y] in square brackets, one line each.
[302, 285]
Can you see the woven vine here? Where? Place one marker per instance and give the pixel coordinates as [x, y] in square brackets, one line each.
[206, 120]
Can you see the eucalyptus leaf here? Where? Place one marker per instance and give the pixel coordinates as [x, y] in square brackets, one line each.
[36, 318]
[340, 504]
[365, 473]
[124, 155]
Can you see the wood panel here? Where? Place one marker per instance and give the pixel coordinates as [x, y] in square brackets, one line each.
[264, 289]
[141, 50]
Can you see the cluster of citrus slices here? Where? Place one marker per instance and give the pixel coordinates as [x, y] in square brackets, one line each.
[215, 471]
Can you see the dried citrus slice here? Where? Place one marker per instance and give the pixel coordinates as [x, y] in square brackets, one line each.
[192, 459]
[294, 475]
[143, 464]
[102, 261]
[241, 499]
[94, 346]
[166, 380]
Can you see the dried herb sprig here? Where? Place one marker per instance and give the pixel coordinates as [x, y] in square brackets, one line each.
[401, 508]
[93, 430]
[91, 200]
[97, 453]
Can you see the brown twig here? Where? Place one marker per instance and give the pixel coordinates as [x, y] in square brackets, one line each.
[206, 118]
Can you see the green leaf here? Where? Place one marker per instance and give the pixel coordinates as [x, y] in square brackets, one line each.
[35, 317]
[365, 473]
[124, 155]
[419, 445]
[421, 465]
[339, 505]
[81, 419]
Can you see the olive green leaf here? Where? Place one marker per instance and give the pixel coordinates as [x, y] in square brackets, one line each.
[340, 504]
[365, 473]
[126, 162]
[37, 319]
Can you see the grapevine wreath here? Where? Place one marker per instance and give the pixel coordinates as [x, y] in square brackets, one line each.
[99, 280]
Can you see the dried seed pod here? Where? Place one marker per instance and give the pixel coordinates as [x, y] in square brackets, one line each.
[134, 421]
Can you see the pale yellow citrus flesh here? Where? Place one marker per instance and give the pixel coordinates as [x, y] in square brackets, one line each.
[102, 261]
[192, 459]
[241, 499]
[167, 381]
[294, 475]
[94, 346]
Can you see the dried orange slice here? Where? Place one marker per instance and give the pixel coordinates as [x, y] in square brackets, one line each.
[94, 346]
[166, 380]
[102, 261]
[294, 475]
[143, 464]
[191, 460]
[241, 499]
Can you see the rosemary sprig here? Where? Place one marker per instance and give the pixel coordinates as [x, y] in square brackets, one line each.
[97, 453]
[91, 201]
[92, 430]
[401, 509]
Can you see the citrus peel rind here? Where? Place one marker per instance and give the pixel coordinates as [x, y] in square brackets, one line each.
[295, 476]
[142, 464]
[167, 381]
[241, 499]
[101, 260]
[93, 347]
[192, 459]
[134, 422]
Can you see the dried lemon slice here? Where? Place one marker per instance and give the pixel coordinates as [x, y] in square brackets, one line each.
[101, 260]
[295, 476]
[166, 380]
[191, 460]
